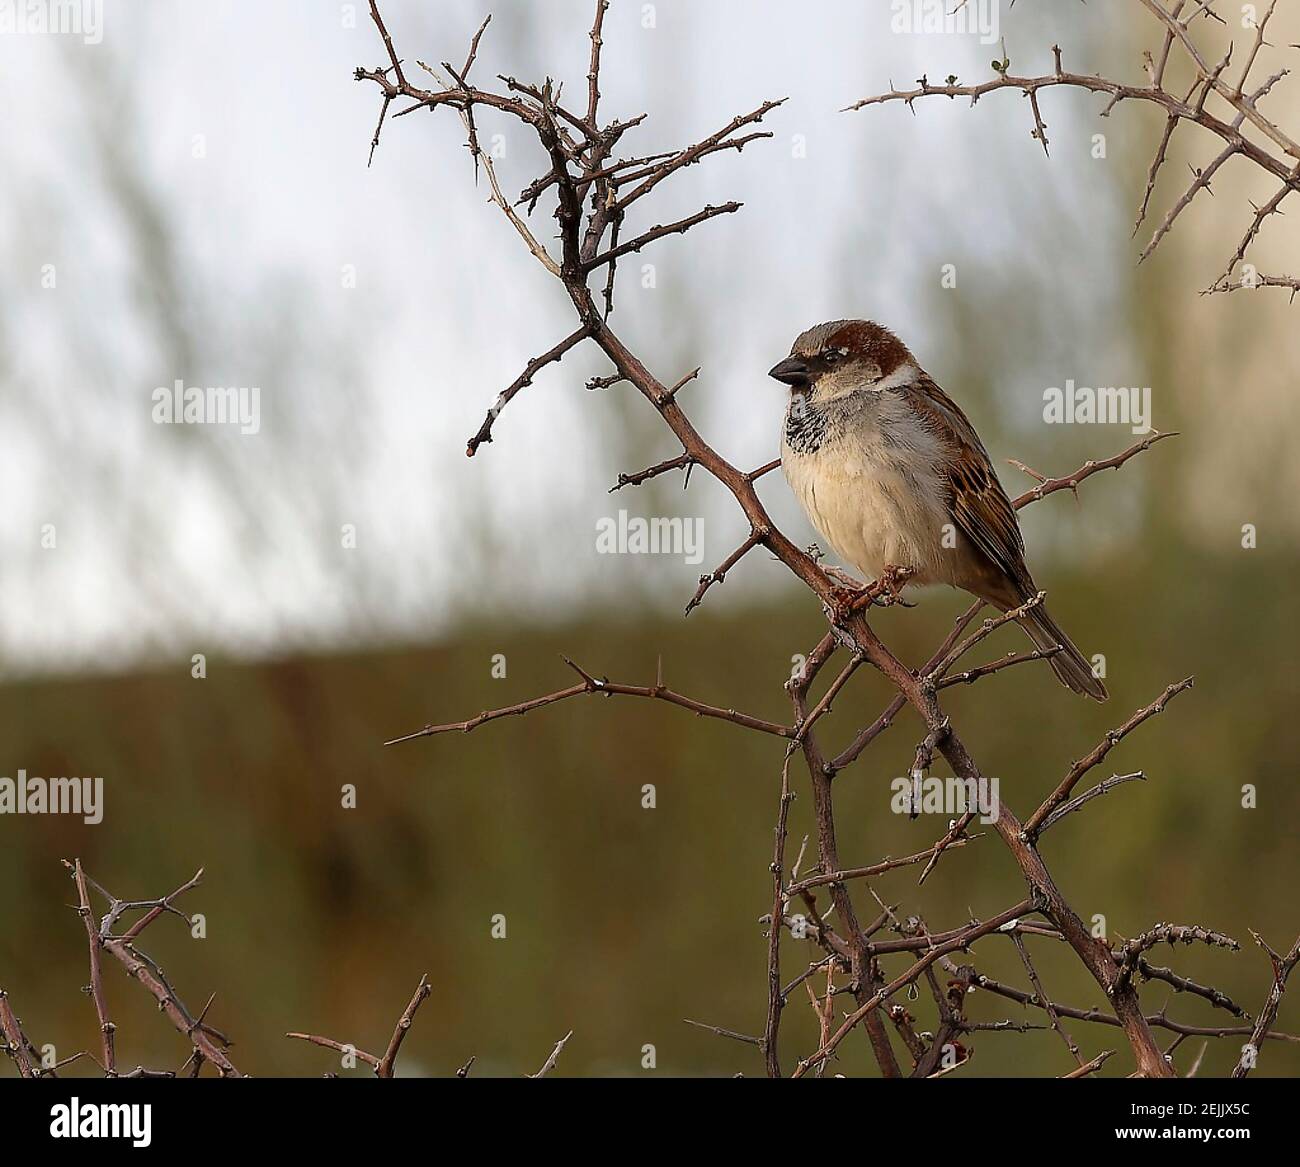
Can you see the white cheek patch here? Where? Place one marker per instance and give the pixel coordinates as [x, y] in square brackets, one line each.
[900, 378]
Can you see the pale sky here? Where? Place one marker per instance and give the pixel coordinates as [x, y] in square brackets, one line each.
[197, 186]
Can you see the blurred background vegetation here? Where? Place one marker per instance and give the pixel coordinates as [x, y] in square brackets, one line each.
[200, 206]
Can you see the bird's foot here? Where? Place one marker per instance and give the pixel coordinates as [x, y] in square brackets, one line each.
[842, 603]
[847, 595]
[851, 595]
[888, 588]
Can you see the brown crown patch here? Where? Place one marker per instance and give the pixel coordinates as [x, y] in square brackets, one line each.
[874, 342]
[863, 339]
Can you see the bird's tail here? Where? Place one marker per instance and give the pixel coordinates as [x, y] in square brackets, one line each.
[1070, 666]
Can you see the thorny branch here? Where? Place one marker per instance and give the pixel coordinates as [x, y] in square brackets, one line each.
[208, 1045]
[591, 185]
[1283, 966]
[17, 1044]
[1224, 108]
[607, 688]
[385, 1065]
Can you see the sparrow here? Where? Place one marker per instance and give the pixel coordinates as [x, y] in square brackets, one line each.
[894, 477]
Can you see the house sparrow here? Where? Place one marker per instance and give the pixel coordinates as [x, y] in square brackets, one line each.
[893, 476]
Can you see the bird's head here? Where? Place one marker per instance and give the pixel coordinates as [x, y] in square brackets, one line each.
[843, 356]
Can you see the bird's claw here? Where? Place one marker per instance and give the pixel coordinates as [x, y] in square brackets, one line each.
[843, 602]
[850, 596]
[888, 589]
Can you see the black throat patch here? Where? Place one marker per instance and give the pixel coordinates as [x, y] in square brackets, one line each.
[810, 426]
[806, 424]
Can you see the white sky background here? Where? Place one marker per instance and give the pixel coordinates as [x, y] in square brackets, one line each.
[172, 540]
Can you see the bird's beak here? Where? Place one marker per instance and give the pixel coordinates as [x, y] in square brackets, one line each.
[792, 371]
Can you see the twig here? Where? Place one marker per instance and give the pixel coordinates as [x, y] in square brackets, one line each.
[607, 688]
[1087, 796]
[1283, 966]
[524, 379]
[106, 1027]
[17, 1045]
[1095, 756]
[383, 1066]
[719, 573]
[549, 1064]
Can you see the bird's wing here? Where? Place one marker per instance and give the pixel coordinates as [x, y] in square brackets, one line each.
[980, 507]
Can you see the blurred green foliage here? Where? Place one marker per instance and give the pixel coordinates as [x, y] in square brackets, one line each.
[622, 921]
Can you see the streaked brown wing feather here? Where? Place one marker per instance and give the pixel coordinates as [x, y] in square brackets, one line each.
[980, 507]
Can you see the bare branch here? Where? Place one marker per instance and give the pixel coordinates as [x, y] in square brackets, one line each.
[17, 1046]
[106, 1027]
[680, 227]
[1283, 966]
[604, 687]
[549, 1064]
[1278, 153]
[1087, 796]
[524, 379]
[1097, 754]
[719, 573]
[681, 462]
[385, 1067]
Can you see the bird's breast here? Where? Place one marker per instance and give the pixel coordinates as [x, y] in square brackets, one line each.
[875, 496]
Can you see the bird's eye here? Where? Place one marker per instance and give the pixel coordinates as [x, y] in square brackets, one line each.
[831, 355]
